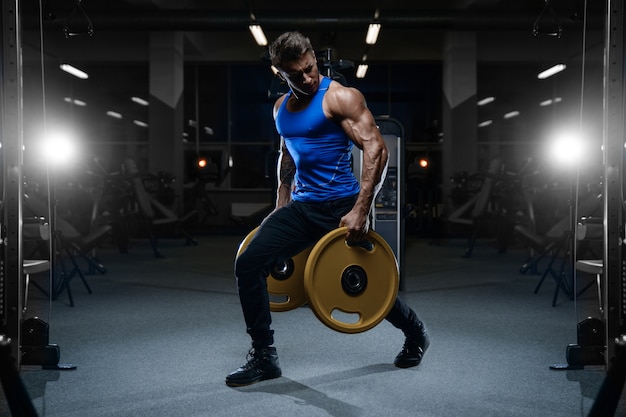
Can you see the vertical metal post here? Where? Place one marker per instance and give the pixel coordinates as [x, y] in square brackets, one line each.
[12, 131]
[12, 124]
[388, 208]
[613, 138]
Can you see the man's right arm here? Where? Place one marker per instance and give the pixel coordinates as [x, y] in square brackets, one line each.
[286, 171]
[286, 167]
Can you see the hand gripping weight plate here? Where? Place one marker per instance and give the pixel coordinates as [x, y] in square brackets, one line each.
[351, 287]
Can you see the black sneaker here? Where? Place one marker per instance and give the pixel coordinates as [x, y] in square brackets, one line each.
[413, 350]
[261, 364]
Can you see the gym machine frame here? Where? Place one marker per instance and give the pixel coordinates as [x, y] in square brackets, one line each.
[11, 283]
[614, 276]
[13, 327]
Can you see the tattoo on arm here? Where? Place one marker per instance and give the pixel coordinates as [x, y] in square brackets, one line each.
[287, 172]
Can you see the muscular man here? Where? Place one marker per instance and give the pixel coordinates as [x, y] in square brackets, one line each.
[319, 121]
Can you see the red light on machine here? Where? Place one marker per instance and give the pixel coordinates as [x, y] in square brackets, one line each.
[202, 162]
[423, 163]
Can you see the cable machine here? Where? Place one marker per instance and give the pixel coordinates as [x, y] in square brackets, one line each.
[15, 332]
[11, 283]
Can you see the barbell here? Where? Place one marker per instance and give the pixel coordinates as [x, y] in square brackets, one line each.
[350, 286]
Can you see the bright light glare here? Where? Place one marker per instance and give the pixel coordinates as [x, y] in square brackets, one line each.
[59, 148]
[567, 148]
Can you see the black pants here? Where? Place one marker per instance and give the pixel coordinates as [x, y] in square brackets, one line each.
[281, 236]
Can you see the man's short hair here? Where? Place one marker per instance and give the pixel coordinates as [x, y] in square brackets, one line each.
[289, 47]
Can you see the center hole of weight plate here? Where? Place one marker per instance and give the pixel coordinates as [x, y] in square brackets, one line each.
[283, 269]
[354, 280]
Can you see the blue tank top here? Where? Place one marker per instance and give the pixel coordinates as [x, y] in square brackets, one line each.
[320, 149]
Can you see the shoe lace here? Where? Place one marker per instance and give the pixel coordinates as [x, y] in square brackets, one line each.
[252, 358]
[411, 346]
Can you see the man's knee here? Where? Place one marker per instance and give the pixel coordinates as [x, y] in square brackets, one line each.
[248, 266]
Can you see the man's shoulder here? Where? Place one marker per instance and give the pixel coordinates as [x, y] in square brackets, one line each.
[279, 100]
[278, 103]
[339, 96]
[335, 88]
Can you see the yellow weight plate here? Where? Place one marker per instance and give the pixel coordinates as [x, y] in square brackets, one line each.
[351, 288]
[285, 284]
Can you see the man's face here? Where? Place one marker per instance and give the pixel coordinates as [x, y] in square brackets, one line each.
[302, 74]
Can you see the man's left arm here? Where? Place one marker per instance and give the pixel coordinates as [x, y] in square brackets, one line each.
[358, 122]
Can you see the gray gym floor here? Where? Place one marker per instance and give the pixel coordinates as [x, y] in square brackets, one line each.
[158, 336]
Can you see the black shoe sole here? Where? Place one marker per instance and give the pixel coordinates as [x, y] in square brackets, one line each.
[405, 365]
[245, 383]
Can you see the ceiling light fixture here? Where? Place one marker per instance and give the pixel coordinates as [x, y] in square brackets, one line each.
[114, 114]
[257, 32]
[74, 71]
[361, 70]
[511, 114]
[140, 123]
[486, 100]
[485, 123]
[372, 33]
[551, 71]
[139, 100]
[75, 101]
